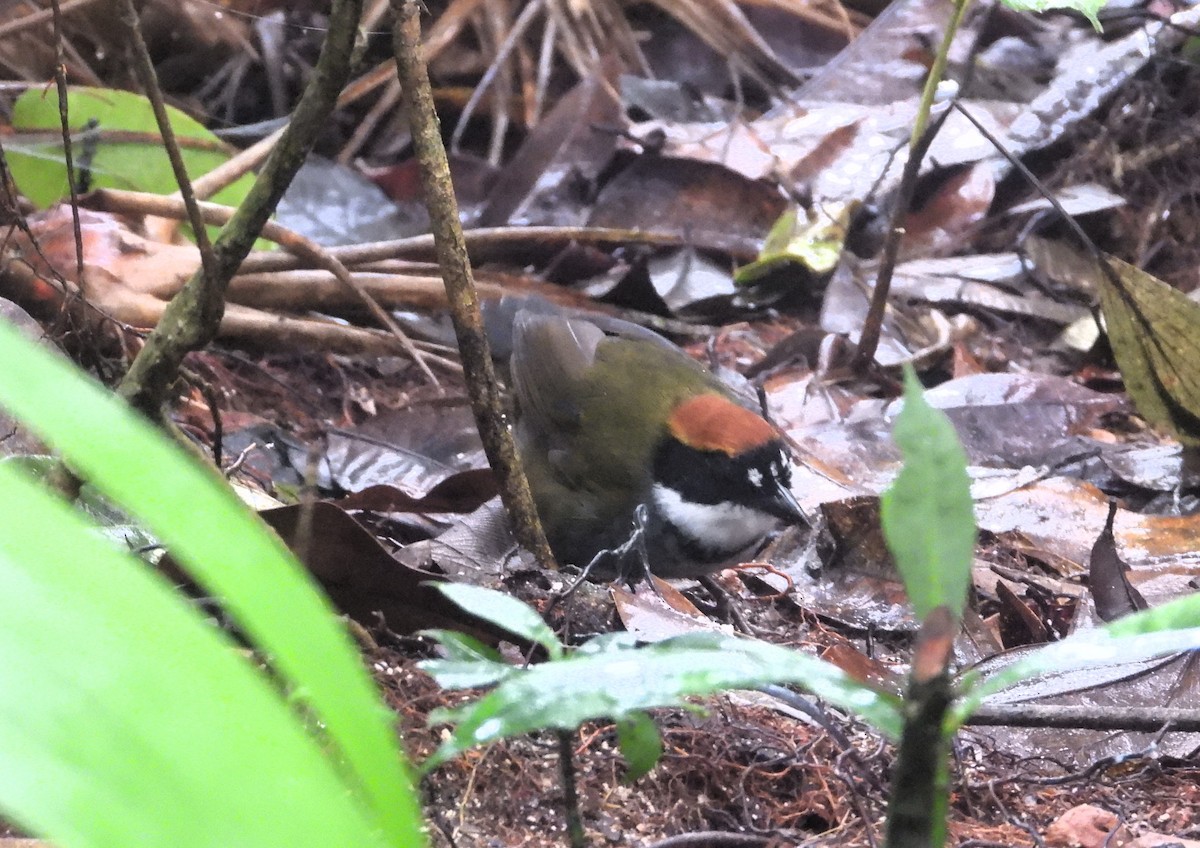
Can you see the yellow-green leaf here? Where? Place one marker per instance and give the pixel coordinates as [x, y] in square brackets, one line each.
[1154, 330]
[115, 144]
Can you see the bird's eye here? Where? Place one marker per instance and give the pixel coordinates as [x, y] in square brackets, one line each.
[781, 470]
[755, 477]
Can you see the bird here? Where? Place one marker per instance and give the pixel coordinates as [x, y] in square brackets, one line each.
[639, 459]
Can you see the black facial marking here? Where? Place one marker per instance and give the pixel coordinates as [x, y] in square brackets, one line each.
[750, 479]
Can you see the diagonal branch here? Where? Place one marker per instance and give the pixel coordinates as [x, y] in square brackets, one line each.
[451, 249]
[192, 318]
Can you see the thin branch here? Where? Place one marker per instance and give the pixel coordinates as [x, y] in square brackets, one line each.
[236, 166]
[143, 66]
[486, 403]
[483, 238]
[294, 243]
[566, 770]
[1039, 186]
[60, 82]
[441, 36]
[41, 16]
[919, 141]
[1140, 718]
[489, 76]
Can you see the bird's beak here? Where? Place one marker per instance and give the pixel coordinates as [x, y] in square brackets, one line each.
[787, 507]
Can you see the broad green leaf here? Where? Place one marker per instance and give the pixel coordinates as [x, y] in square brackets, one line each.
[465, 674]
[615, 684]
[641, 745]
[115, 140]
[927, 513]
[1154, 330]
[126, 720]
[230, 552]
[1172, 628]
[505, 612]
[469, 664]
[618, 640]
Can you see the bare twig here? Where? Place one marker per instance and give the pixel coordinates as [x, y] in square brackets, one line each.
[566, 768]
[1139, 718]
[60, 82]
[60, 478]
[41, 16]
[918, 143]
[485, 237]
[441, 36]
[237, 166]
[451, 249]
[712, 839]
[517, 30]
[1038, 185]
[383, 106]
[143, 66]
[290, 240]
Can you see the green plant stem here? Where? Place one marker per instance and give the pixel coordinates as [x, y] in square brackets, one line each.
[566, 767]
[918, 143]
[193, 316]
[920, 782]
[451, 248]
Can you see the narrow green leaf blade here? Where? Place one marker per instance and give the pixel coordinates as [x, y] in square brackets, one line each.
[460, 647]
[1172, 628]
[927, 513]
[229, 551]
[469, 663]
[126, 720]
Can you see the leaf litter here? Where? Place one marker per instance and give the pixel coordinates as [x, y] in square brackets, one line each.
[1050, 437]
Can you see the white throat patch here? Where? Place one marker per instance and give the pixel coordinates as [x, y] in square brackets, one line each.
[718, 527]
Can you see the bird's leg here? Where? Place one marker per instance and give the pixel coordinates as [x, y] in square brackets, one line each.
[636, 545]
[633, 547]
[578, 581]
[728, 609]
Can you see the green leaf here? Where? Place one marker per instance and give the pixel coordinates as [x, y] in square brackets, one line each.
[1169, 629]
[619, 683]
[230, 552]
[115, 140]
[112, 521]
[1153, 329]
[505, 612]
[470, 664]
[618, 640]
[1088, 8]
[125, 720]
[640, 743]
[463, 648]
[458, 674]
[815, 242]
[927, 513]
